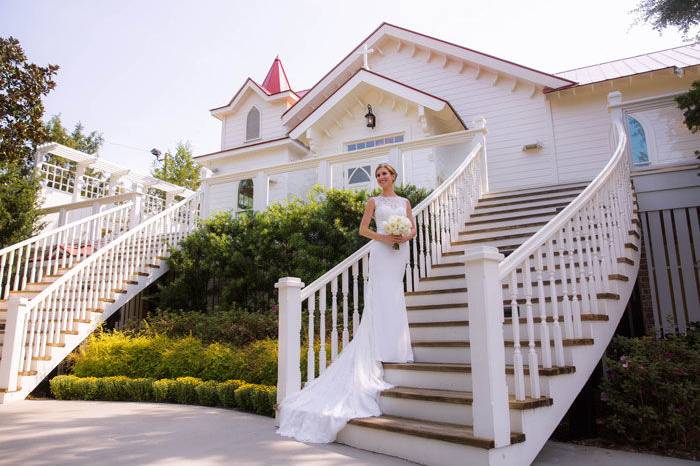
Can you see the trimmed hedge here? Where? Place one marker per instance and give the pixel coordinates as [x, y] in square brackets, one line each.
[254, 398]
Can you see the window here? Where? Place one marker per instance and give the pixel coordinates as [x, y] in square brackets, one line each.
[359, 175]
[245, 194]
[638, 142]
[374, 142]
[252, 125]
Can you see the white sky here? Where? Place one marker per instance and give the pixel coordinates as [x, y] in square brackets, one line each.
[145, 73]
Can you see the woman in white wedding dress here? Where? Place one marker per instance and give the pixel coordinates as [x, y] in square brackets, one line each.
[350, 387]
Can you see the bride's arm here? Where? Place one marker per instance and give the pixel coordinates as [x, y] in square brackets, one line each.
[364, 225]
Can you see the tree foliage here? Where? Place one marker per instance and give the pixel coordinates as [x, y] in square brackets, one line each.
[77, 139]
[683, 14]
[689, 103]
[22, 85]
[245, 255]
[179, 168]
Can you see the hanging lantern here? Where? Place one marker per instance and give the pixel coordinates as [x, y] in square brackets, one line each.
[371, 119]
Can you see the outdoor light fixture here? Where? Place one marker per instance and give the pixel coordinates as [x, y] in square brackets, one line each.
[156, 153]
[371, 119]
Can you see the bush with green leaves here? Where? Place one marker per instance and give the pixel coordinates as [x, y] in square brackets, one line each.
[231, 326]
[651, 392]
[110, 354]
[247, 254]
[254, 398]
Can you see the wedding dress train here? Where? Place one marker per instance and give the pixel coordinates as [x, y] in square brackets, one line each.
[350, 386]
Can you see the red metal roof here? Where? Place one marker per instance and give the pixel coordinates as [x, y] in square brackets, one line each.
[276, 80]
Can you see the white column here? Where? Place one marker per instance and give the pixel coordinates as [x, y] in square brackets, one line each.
[289, 337]
[78, 185]
[480, 123]
[485, 297]
[615, 107]
[114, 181]
[136, 211]
[13, 342]
[396, 159]
[261, 191]
[204, 174]
[325, 174]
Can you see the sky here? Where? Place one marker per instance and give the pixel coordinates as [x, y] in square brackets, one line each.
[145, 73]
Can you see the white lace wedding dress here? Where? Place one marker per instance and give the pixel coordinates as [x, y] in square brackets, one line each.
[349, 388]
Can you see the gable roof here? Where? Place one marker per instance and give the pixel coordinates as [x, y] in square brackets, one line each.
[377, 80]
[352, 61]
[681, 57]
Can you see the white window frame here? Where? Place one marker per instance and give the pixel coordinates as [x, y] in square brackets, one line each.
[347, 144]
[259, 136]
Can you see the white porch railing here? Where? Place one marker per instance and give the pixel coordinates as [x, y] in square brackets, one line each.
[438, 220]
[30, 260]
[35, 325]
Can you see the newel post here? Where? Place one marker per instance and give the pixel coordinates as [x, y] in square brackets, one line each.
[13, 342]
[136, 210]
[289, 337]
[489, 386]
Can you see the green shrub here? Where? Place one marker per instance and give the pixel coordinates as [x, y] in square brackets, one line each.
[257, 362]
[184, 390]
[246, 254]
[219, 363]
[226, 392]
[140, 389]
[651, 392]
[259, 399]
[182, 357]
[164, 390]
[207, 394]
[233, 327]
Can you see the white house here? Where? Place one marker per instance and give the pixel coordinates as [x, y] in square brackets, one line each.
[543, 129]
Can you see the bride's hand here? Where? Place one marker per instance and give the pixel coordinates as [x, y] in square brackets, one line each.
[404, 238]
[392, 239]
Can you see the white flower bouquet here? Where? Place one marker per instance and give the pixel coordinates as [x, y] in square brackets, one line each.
[398, 225]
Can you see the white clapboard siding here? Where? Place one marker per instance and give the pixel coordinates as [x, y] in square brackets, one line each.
[672, 247]
[514, 117]
[233, 133]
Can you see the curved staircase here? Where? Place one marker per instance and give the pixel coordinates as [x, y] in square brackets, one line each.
[58, 286]
[512, 298]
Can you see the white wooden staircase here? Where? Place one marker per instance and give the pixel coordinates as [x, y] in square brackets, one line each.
[57, 287]
[502, 346]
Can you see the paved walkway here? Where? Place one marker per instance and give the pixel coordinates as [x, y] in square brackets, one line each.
[94, 432]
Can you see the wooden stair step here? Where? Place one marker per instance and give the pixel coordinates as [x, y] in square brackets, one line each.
[483, 203]
[427, 307]
[443, 277]
[507, 343]
[507, 321]
[431, 292]
[453, 433]
[459, 397]
[556, 205]
[502, 228]
[579, 187]
[467, 368]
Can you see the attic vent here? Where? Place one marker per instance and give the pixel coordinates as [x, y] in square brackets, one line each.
[252, 126]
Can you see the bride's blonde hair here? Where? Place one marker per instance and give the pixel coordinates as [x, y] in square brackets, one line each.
[389, 168]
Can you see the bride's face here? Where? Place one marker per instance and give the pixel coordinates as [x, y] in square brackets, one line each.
[384, 177]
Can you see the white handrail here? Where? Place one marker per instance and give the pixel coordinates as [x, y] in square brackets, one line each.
[107, 249]
[117, 198]
[526, 249]
[335, 271]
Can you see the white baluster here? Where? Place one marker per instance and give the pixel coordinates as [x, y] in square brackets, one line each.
[532, 353]
[518, 369]
[322, 357]
[355, 291]
[556, 327]
[334, 319]
[542, 304]
[311, 354]
[346, 333]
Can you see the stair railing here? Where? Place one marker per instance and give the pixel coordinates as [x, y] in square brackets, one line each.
[583, 242]
[439, 218]
[34, 325]
[31, 260]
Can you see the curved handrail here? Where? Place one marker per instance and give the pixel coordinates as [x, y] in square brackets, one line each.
[323, 279]
[528, 247]
[108, 248]
[67, 226]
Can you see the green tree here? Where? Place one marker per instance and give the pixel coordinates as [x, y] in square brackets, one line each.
[689, 103]
[683, 14]
[77, 139]
[179, 168]
[22, 85]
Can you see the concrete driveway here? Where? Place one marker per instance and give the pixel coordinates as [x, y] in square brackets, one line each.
[54, 432]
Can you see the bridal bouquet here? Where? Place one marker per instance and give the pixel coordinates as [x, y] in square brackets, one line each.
[397, 225]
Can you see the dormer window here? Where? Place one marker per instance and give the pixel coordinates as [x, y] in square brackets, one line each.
[252, 125]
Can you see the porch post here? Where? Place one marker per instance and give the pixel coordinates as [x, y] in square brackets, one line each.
[13, 343]
[325, 174]
[261, 191]
[490, 389]
[79, 182]
[396, 160]
[289, 337]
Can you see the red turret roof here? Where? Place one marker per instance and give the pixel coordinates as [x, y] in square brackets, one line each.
[276, 80]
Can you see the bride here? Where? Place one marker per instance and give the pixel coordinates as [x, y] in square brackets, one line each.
[350, 386]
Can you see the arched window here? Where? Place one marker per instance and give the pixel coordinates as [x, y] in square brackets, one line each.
[252, 124]
[638, 142]
[245, 194]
